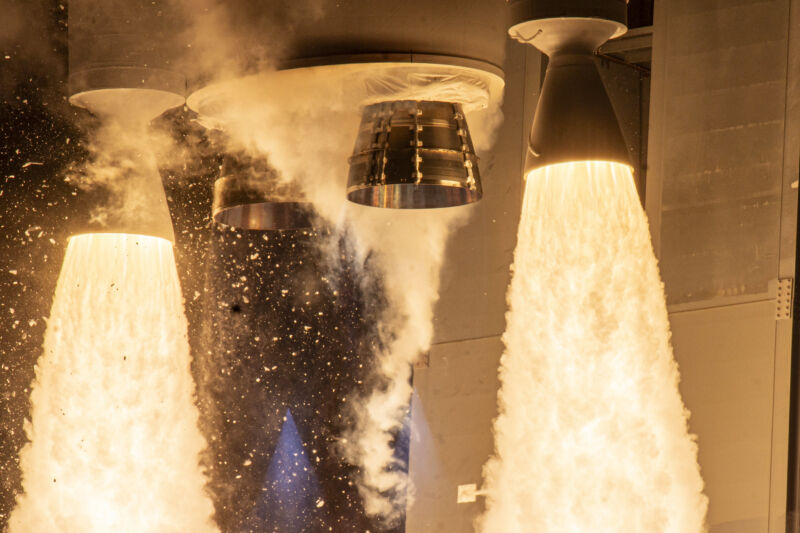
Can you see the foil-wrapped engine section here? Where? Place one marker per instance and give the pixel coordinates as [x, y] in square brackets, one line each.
[413, 155]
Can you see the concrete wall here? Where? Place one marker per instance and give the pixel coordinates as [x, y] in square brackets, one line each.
[456, 392]
[723, 152]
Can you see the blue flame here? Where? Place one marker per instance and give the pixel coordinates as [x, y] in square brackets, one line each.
[292, 492]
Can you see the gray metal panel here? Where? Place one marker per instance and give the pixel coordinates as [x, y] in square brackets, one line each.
[475, 273]
[628, 91]
[791, 142]
[726, 359]
[724, 130]
[780, 426]
[717, 150]
[454, 403]
[120, 34]
[456, 396]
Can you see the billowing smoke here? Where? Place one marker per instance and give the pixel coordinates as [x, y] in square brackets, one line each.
[307, 135]
[306, 126]
[409, 248]
[122, 170]
[592, 433]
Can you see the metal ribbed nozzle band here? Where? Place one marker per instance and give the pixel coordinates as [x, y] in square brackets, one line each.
[413, 155]
[251, 195]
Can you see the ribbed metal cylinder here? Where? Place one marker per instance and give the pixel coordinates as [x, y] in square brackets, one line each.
[243, 207]
[251, 196]
[413, 155]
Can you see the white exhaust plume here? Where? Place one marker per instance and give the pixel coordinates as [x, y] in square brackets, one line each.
[592, 433]
[114, 444]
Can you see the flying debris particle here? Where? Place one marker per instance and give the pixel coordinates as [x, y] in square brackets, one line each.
[32, 229]
[31, 163]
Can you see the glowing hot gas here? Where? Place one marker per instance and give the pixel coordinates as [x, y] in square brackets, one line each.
[592, 432]
[114, 442]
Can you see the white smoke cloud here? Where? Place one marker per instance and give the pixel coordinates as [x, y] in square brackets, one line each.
[410, 249]
[122, 165]
[306, 125]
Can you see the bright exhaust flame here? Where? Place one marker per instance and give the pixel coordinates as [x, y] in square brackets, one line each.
[592, 433]
[113, 430]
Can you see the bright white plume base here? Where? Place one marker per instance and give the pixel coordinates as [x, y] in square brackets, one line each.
[592, 433]
[114, 438]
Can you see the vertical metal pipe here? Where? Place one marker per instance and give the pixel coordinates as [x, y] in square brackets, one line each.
[793, 466]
